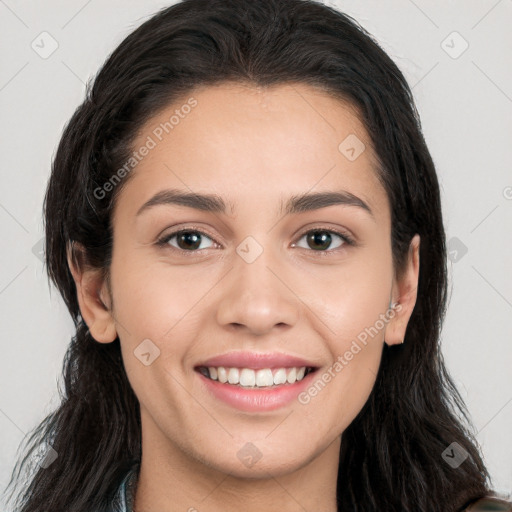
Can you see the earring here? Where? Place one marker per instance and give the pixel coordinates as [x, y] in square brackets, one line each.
[393, 305]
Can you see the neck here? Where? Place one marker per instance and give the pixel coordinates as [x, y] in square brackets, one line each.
[171, 480]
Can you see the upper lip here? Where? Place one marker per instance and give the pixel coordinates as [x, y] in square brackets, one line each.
[256, 360]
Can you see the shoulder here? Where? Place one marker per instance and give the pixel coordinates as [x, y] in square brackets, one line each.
[492, 502]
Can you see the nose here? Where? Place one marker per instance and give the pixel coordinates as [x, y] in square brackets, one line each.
[258, 297]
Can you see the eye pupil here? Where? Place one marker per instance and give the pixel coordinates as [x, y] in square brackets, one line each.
[320, 237]
[189, 237]
[319, 240]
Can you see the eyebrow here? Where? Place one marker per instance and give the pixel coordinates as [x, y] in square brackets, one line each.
[215, 204]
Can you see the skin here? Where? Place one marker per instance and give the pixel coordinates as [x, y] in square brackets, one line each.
[254, 147]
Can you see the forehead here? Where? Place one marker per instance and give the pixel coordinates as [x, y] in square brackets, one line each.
[240, 141]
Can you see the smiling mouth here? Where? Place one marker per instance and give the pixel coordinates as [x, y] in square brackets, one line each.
[249, 378]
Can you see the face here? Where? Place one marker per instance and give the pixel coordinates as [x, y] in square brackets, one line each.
[258, 277]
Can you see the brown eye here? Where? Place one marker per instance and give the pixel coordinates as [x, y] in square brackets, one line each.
[186, 240]
[322, 240]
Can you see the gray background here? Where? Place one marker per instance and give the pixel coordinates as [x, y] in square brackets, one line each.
[464, 97]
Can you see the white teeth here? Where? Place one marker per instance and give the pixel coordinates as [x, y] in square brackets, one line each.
[265, 377]
[247, 377]
[292, 376]
[280, 376]
[222, 374]
[233, 376]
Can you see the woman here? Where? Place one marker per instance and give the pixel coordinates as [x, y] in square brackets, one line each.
[244, 221]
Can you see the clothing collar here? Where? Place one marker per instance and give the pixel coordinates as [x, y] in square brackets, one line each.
[126, 492]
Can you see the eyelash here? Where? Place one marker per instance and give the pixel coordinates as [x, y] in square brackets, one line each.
[347, 240]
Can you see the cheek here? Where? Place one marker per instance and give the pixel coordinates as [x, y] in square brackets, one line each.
[353, 312]
[354, 298]
[159, 311]
[152, 297]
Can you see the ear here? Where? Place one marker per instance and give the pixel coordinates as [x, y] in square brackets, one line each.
[404, 293]
[93, 295]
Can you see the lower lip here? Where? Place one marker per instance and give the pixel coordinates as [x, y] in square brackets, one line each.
[256, 399]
